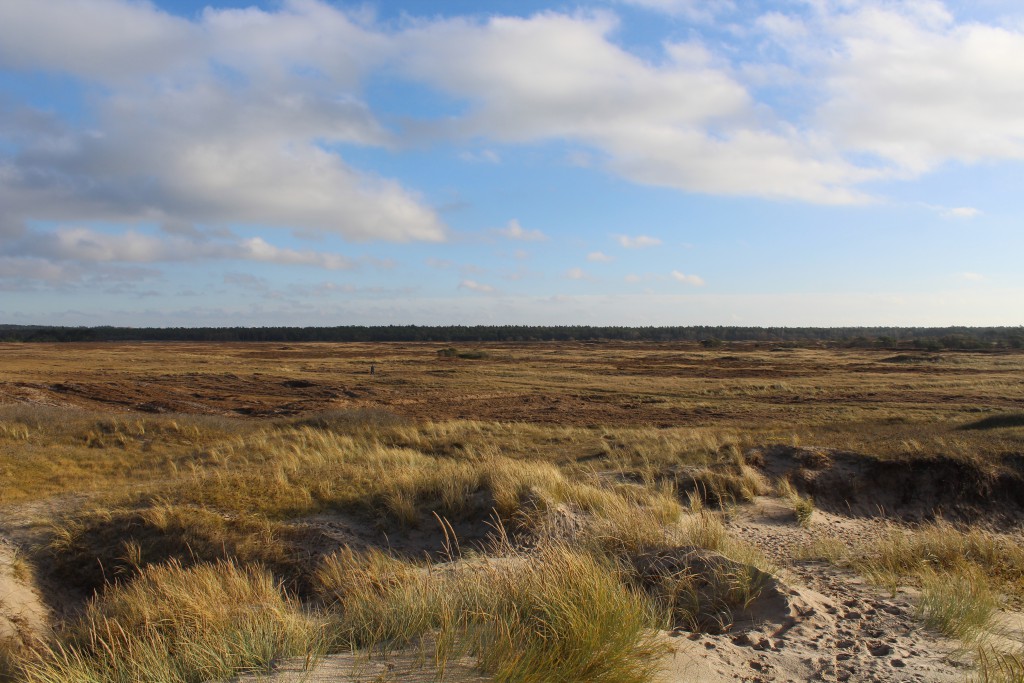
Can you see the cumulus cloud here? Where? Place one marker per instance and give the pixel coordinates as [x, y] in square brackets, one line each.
[973, 277]
[484, 156]
[105, 40]
[910, 84]
[257, 249]
[695, 280]
[681, 121]
[233, 118]
[576, 274]
[515, 231]
[961, 212]
[692, 9]
[598, 257]
[85, 245]
[638, 241]
[212, 125]
[474, 286]
[906, 88]
[33, 273]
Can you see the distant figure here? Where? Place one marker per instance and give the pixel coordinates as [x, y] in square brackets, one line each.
[372, 369]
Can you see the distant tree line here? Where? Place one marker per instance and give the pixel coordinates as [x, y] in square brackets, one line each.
[922, 338]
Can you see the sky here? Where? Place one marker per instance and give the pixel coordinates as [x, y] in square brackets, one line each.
[605, 162]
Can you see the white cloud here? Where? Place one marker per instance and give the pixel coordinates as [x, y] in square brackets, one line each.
[474, 286]
[961, 212]
[88, 246]
[106, 40]
[906, 88]
[235, 117]
[598, 257]
[695, 280]
[33, 273]
[692, 9]
[515, 231]
[911, 85]
[257, 249]
[576, 274]
[637, 242]
[973, 277]
[633, 278]
[681, 121]
[782, 27]
[230, 119]
[484, 156]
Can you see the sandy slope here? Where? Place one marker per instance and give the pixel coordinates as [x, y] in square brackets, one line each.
[820, 623]
[22, 615]
[829, 625]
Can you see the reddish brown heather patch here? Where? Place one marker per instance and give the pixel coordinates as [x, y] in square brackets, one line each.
[614, 384]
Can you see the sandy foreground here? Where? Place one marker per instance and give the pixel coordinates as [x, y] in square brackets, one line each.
[816, 623]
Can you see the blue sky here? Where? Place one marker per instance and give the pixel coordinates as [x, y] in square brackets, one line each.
[634, 162]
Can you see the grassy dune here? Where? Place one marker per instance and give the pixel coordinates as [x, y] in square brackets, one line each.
[191, 546]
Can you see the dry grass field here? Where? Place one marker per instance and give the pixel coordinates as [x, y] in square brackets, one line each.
[510, 512]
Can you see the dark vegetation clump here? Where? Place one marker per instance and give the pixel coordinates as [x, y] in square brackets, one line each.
[452, 352]
[997, 422]
[114, 546]
[912, 358]
[349, 420]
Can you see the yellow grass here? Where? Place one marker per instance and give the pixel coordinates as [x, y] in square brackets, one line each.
[586, 454]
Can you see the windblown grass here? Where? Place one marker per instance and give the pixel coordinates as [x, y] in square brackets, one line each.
[960, 604]
[179, 625]
[803, 506]
[623, 441]
[996, 666]
[107, 546]
[900, 553]
[554, 614]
